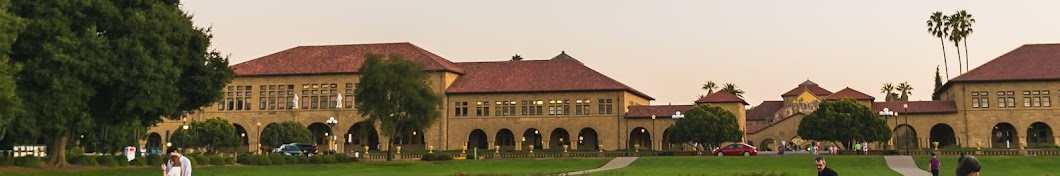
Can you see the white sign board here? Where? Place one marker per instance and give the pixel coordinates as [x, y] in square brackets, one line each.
[130, 153]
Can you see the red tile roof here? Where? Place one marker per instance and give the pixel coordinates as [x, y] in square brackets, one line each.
[813, 88]
[337, 59]
[1028, 62]
[765, 111]
[849, 93]
[917, 107]
[721, 97]
[660, 111]
[559, 75]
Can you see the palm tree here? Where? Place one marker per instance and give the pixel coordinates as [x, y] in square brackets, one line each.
[732, 89]
[965, 29]
[887, 89]
[954, 23]
[937, 28]
[710, 86]
[905, 89]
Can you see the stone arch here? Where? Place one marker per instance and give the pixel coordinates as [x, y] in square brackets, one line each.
[505, 139]
[1003, 135]
[362, 134]
[666, 143]
[943, 134]
[558, 138]
[262, 137]
[321, 134]
[767, 144]
[588, 139]
[532, 136]
[1039, 134]
[243, 136]
[905, 137]
[411, 141]
[640, 136]
[154, 143]
[477, 138]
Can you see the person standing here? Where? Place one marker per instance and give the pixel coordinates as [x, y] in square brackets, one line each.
[865, 148]
[183, 164]
[935, 166]
[822, 168]
[959, 159]
[857, 148]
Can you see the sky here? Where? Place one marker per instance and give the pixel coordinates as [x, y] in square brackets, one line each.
[666, 49]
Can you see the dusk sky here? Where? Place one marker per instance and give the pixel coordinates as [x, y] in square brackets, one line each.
[666, 49]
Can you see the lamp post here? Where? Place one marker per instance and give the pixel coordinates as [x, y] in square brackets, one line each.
[331, 122]
[906, 110]
[886, 112]
[652, 130]
[259, 136]
[627, 134]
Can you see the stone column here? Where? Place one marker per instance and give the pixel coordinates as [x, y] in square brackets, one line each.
[518, 145]
[1056, 141]
[544, 145]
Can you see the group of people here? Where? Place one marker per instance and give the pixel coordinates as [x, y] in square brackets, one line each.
[966, 166]
[178, 165]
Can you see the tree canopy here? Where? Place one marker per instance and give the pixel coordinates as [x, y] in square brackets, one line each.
[706, 124]
[10, 104]
[213, 133]
[394, 92]
[845, 121]
[285, 132]
[109, 62]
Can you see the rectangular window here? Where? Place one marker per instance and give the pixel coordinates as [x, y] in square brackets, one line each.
[304, 102]
[231, 103]
[263, 103]
[247, 101]
[600, 103]
[272, 103]
[1011, 101]
[985, 103]
[975, 102]
[1036, 102]
[585, 108]
[348, 101]
[280, 103]
[314, 102]
[1026, 101]
[1001, 102]
[1046, 102]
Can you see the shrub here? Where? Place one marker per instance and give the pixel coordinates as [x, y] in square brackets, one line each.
[28, 161]
[121, 160]
[302, 159]
[154, 160]
[291, 159]
[245, 159]
[107, 161]
[83, 160]
[192, 158]
[139, 161]
[264, 160]
[436, 157]
[230, 160]
[202, 160]
[7, 161]
[329, 159]
[76, 151]
[217, 160]
[277, 159]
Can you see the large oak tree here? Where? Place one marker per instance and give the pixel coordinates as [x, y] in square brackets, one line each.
[105, 62]
[708, 125]
[844, 121]
[394, 92]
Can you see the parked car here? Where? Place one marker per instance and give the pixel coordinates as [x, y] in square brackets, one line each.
[289, 149]
[736, 150]
[308, 149]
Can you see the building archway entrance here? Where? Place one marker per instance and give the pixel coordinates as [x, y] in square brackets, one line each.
[558, 138]
[505, 139]
[905, 137]
[587, 139]
[532, 136]
[1039, 134]
[360, 135]
[1003, 135]
[478, 139]
[640, 137]
[943, 134]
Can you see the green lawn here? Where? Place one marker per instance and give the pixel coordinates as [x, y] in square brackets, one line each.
[1000, 165]
[501, 166]
[796, 165]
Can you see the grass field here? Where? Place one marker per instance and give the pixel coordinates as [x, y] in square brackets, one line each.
[1000, 165]
[795, 165]
[490, 167]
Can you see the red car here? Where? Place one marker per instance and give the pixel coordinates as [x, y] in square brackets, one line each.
[736, 150]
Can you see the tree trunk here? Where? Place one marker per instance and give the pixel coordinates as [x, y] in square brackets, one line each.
[944, 60]
[966, 64]
[390, 149]
[959, 66]
[3, 133]
[57, 150]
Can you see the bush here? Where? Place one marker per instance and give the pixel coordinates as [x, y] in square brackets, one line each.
[107, 161]
[289, 159]
[245, 159]
[139, 161]
[29, 161]
[328, 159]
[230, 160]
[202, 160]
[7, 161]
[76, 151]
[277, 159]
[83, 160]
[121, 160]
[302, 160]
[264, 160]
[1049, 146]
[217, 160]
[154, 160]
[436, 157]
[315, 159]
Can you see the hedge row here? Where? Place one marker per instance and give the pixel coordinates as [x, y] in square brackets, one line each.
[277, 159]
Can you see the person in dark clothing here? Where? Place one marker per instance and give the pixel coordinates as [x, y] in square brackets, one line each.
[959, 159]
[822, 168]
[934, 163]
[969, 167]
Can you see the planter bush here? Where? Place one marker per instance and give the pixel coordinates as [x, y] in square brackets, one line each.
[291, 159]
[202, 160]
[436, 157]
[248, 159]
[121, 160]
[315, 160]
[139, 161]
[29, 161]
[303, 160]
[217, 160]
[154, 160]
[277, 159]
[230, 160]
[83, 160]
[7, 161]
[264, 160]
[107, 161]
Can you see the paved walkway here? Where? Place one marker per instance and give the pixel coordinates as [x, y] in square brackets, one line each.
[618, 162]
[904, 165]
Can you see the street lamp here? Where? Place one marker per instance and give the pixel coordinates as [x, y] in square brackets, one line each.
[906, 110]
[886, 112]
[259, 135]
[331, 122]
[652, 130]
